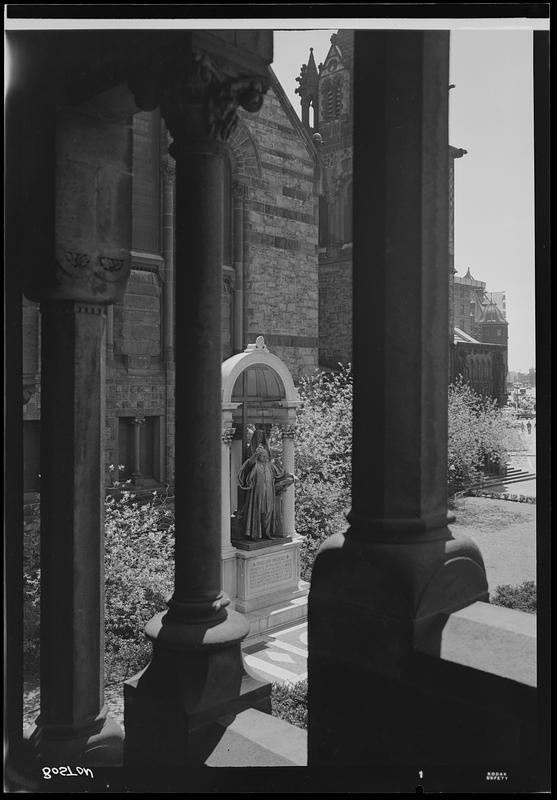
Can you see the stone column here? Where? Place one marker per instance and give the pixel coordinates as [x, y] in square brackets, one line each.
[288, 521]
[73, 718]
[235, 466]
[384, 589]
[109, 333]
[227, 436]
[82, 211]
[239, 191]
[196, 674]
[136, 453]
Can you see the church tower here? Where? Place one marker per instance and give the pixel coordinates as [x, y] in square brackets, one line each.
[329, 91]
[492, 326]
[308, 91]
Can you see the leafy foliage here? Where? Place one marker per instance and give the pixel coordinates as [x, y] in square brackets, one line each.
[289, 701]
[139, 569]
[323, 459]
[31, 588]
[139, 572]
[478, 435]
[521, 597]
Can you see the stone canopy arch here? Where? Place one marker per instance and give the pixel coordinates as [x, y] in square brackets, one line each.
[258, 576]
[257, 354]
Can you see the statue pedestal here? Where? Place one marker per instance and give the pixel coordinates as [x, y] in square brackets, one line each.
[268, 589]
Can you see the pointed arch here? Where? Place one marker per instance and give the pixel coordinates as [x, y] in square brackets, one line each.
[244, 153]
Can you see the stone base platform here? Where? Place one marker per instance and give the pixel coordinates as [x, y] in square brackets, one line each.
[278, 615]
[254, 739]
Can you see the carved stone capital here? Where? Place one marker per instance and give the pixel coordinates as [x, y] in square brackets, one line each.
[227, 436]
[198, 101]
[89, 277]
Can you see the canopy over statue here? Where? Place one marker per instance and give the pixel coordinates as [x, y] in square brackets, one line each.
[260, 547]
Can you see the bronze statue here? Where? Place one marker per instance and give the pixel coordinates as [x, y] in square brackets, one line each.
[263, 478]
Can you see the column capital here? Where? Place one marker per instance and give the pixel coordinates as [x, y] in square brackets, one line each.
[198, 100]
[227, 436]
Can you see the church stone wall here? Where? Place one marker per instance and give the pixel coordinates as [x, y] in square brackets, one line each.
[281, 291]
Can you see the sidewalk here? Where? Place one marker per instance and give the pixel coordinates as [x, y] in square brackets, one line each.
[524, 460]
[281, 656]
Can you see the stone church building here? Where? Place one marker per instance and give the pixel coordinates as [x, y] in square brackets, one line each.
[269, 283]
[478, 352]
[286, 269]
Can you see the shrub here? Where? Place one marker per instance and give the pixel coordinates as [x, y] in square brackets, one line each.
[31, 588]
[323, 459]
[289, 701]
[139, 572]
[521, 597]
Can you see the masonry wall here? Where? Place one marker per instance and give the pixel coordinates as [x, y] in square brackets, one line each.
[281, 279]
[277, 169]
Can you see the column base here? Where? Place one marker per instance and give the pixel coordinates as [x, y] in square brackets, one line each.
[196, 677]
[372, 605]
[100, 744]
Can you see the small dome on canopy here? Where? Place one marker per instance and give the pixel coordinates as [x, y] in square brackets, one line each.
[258, 382]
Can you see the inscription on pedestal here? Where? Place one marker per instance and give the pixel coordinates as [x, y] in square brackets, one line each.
[265, 573]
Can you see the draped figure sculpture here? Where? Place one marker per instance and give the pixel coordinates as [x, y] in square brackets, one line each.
[264, 479]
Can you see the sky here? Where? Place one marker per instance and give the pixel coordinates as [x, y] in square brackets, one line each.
[490, 116]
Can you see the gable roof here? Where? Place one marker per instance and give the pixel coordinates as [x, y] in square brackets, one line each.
[462, 336]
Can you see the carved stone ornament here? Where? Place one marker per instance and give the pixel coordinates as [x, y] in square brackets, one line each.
[90, 272]
[227, 436]
[258, 345]
[197, 100]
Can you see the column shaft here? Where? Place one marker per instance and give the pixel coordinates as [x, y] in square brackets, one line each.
[110, 332]
[72, 513]
[289, 522]
[239, 220]
[227, 435]
[400, 306]
[199, 186]
[137, 447]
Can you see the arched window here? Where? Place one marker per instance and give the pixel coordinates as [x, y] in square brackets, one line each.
[330, 102]
[338, 100]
